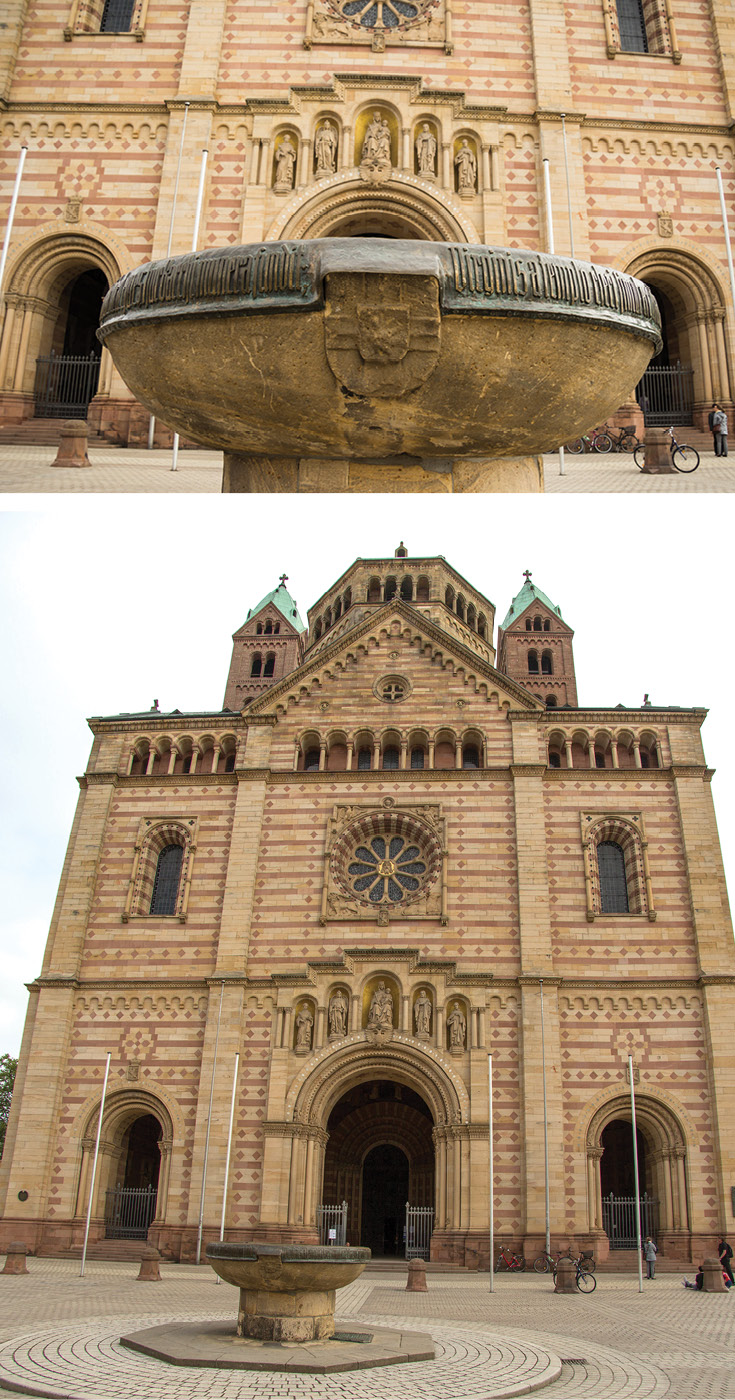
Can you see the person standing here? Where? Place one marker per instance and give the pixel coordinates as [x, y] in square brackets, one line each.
[649, 1254]
[719, 430]
[725, 1252]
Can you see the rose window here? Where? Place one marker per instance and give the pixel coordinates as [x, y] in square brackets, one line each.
[386, 858]
[386, 869]
[382, 14]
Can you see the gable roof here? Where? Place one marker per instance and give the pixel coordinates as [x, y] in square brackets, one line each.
[529, 594]
[281, 599]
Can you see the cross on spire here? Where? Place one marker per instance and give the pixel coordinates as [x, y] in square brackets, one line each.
[283, 579]
[527, 575]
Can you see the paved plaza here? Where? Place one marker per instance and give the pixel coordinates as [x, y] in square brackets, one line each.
[59, 1337]
[116, 469]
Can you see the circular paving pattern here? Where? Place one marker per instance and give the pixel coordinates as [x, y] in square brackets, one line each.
[85, 1361]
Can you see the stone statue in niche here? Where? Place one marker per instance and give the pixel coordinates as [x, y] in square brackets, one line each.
[375, 159]
[325, 149]
[422, 1015]
[426, 152]
[338, 1016]
[466, 163]
[457, 1024]
[381, 1009]
[285, 165]
[304, 1028]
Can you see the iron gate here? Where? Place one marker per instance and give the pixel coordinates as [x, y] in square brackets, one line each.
[666, 394]
[332, 1218]
[419, 1225]
[129, 1211]
[65, 384]
[619, 1219]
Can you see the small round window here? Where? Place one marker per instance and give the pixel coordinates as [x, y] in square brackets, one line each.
[386, 868]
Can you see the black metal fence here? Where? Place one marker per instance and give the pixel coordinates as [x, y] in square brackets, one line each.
[619, 1219]
[129, 1211]
[332, 1224]
[419, 1227]
[666, 395]
[65, 384]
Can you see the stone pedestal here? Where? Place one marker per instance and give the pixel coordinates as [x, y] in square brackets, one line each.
[287, 1292]
[565, 1280]
[286, 1317]
[713, 1278]
[150, 1271]
[658, 453]
[444, 476]
[73, 445]
[416, 1282]
[15, 1262]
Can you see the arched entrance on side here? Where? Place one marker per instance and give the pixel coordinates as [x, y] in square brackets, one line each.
[425, 1108]
[131, 1185]
[662, 1165]
[692, 301]
[51, 363]
[349, 207]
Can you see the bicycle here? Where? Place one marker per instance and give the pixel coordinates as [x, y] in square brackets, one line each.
[609, 439]
[586, 1281]
[506, 1260]
[683, 457]
[544, 1262]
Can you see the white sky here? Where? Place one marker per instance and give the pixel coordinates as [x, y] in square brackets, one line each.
[108, 602]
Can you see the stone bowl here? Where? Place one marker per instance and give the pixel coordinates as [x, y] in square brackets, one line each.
[379, 349]
[285, 1268]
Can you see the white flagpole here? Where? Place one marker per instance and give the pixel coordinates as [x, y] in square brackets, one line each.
[491, 1170]
[637, 1178]
[550, 249]
[721, 189]
[197, 217]
[94, 1164]
[546, 1121]
[209, 1124]
[227, 1158]
[11, 214]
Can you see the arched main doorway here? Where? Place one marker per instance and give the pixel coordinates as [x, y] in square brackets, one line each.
[662, 1154]
[130, 1205]
[67, 377]
[379, 1158]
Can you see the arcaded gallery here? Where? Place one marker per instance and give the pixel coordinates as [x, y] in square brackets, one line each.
[419, 119]
[299, 924]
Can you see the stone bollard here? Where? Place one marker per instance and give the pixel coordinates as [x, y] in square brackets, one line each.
[565, 1279]
[713, 1279]
[416, 1282]
[16, 1259]
[149, 1266]
[73, 445]
[658, 453]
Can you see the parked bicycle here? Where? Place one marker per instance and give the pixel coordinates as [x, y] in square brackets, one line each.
[683, 457]
[507, 1260]
[586, 1281]
[546, 1263]
[609, 439]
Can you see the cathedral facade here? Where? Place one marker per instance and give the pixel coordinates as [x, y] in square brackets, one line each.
[299, 926]
[423, 119]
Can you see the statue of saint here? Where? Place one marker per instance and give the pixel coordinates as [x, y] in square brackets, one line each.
[426, 151]
[376, 146]
[325, 148]
[285, 163]
[304, 1027]
[381, 1008]
[457, 1027]
[466, 164]
[338, 1015]
[422, 1013]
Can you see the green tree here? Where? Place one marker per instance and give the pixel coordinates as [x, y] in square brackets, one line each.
[8, 1066]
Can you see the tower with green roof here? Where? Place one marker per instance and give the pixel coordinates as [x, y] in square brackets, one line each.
[535, 647]
[268, 646]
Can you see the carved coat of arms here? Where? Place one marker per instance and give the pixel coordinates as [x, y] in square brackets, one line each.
[382, 333]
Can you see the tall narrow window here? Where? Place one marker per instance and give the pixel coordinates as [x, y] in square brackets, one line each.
[391, 757]
[547, 665]
[116, 16]
[613, 884]
[270, 662]
[311, 761]
[364, 759]
[417, 758]
[166, 882]
[268, 628]
[257, 665]
[533, 663]
[470, 756]
[633, 37]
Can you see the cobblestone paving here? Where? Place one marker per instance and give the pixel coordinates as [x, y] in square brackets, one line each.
[28, 469]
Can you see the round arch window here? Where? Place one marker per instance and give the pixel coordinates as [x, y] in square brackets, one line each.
[383, 14]
[386, 859]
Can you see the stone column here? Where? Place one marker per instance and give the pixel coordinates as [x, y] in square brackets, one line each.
[25, 335]
[349, 755]
[376, 754]
[440, 1027]
[447, 171]
[614, 752]
[345, 148]
[704, 355]
[6, 340]
[568, 752]
[254, 160]
[431, 753]
[322, 755]
[305, 162]
[637, 754]
[407, 163]
[719, 319]
[321, 1016]
[404, 749]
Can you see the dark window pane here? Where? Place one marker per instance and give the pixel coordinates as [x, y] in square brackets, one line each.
[533, 663]
[116, 16]
[470, 756]
[613, 885]
[166, 883]
[230, 763]
[554, 760]
[632, 26]
[311, 761]
[417, 758]
[546, 664]
[364, 759]
[270, 662]
[257, 665]
[390, 758]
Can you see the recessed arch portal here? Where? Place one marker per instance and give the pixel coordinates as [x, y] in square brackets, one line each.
[350, 208]
[662, 1165]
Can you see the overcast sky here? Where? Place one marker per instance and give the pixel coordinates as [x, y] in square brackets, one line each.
[107, 603]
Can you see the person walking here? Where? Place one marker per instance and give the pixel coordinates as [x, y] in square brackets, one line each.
[649, 1254]
[725, 1252]
[719, 431]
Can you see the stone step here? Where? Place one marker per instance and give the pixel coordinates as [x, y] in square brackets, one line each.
[41, 432]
